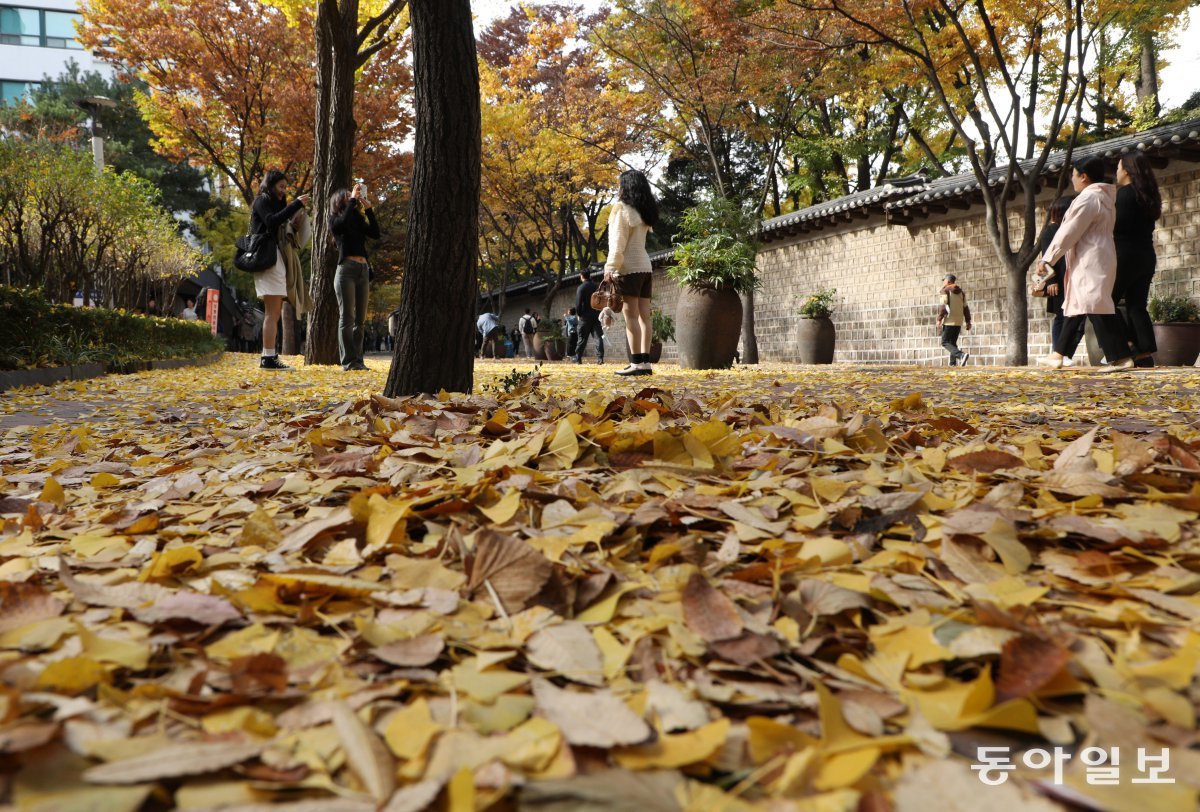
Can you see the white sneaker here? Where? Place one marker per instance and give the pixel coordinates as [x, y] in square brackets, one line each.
[1050, 361]
[1068, 362]
[1120, 366]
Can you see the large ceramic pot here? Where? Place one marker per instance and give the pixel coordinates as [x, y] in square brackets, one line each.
[553, 349]
[539, 346]
[655, 351]
[708, 326]
[1178, 344]
[816, 340]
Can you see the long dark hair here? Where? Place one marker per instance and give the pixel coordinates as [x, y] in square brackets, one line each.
[635, 191]
[267, 187]
[339, 201]
[1058, 209]
[1141, 178]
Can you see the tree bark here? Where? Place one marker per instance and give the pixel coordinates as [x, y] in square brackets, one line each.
[749, 339]
[1147, 86]
[435, 343]
[337, 59]
[1016, 313]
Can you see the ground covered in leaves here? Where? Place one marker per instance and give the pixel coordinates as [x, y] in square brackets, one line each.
[786, 588]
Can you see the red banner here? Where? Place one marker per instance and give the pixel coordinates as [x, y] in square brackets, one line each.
[211, 303]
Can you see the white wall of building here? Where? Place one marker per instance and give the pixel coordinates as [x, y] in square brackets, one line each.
[32, 35]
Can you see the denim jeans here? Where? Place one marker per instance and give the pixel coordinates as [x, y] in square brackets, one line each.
[350, 286]
[950, 342]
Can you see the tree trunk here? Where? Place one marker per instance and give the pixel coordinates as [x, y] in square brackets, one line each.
[435, 342]
[749, 339]
[1016, 310]
[287, 321]
[337, 57]
[1147, 86]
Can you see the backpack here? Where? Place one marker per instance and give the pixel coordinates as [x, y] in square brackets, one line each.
[527, 325]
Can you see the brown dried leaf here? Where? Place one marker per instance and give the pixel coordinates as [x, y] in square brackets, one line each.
[1026, 664]
[985, 462]
[514, 569]
[415, 652]
[708, 612]
[22, 604]
[172, 761]
[568, 649]
[591, 719]
[1078, 455]
[365, 753]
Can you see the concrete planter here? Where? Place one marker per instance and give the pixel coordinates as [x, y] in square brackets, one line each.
[1178, 344]
[553, 349]
[816, 340]
[656, 348]
[708, 326]
[80, 372]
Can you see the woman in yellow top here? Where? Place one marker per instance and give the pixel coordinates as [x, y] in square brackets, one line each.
[630, 219]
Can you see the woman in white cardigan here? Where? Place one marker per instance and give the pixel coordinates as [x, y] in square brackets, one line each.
[630, 219]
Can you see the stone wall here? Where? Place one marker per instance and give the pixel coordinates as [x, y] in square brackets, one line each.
[888, 277]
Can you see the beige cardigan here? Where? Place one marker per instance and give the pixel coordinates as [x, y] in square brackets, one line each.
[626, 241]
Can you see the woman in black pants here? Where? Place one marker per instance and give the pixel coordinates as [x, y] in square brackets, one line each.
[1139, 205]
[1056, 289]
[351, 222]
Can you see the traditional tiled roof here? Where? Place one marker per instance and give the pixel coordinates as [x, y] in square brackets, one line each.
[906, 201]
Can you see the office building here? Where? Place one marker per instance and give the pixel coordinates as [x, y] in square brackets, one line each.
[37, 39]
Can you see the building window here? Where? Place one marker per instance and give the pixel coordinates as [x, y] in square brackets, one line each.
[12, 92]
[38, 28]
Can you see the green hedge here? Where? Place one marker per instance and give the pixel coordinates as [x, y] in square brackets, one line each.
[36, 333]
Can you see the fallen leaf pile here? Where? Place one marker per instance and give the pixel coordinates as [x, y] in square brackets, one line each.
[786, 588]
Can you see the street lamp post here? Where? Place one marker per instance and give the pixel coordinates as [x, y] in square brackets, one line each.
[92, 105]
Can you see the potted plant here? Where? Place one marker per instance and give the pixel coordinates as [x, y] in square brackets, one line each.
[817, 333]
[1176, 330]
[714, 265]
[662, 330]
[553, 341]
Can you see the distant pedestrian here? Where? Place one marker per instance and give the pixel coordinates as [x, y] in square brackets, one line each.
[393, 328]
[269, 212]
[527, 326]
[489, 334]
[1139, 206]
[189, 310]
[571, 325]
[589, 320]
[151, 307]
[630, 220]
[1055, 287]
[953, 315]
[1085, 238]
[351, 222]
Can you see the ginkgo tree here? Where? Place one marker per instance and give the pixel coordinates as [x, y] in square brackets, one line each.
[553, 142]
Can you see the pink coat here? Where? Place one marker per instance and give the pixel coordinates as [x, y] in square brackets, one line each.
[1086, 238]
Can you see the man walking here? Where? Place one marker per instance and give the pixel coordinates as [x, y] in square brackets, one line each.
[528, 327]
[953, 315]
[589, 320]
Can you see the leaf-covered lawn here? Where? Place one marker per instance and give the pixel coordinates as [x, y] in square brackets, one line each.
[787, 588]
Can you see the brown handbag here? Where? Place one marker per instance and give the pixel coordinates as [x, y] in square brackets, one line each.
[607, 296]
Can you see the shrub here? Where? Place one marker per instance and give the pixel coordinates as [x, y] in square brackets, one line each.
[36, 333]
[715, 248]
[819, 305]
[1165, 309]
[662, 327]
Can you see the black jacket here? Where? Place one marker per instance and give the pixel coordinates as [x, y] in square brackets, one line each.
[351, 231]
[1054, 303]
[583, 301]
[269, 212]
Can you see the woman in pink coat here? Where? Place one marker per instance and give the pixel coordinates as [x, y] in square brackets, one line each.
[1085, 238]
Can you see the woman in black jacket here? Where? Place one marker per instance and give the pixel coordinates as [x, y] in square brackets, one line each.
[352, 221]
[269, 212]
[1139, 205]
[1056, 289]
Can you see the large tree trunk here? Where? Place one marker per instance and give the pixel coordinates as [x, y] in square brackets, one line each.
[435, 343]
[1147, 86]
[337, 59]
[1016, 312]
[749, 339]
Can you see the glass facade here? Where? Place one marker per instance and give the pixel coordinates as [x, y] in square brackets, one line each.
[12, 92]
[38, 28]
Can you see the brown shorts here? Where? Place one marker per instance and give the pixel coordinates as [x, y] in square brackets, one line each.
[635, 285]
